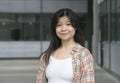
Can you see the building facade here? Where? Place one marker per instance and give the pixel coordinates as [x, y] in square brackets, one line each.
[108, 34]
[25, 24]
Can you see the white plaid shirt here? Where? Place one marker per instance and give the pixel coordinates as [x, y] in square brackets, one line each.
[83, 69]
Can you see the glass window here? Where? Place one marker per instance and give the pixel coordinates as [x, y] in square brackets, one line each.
[113, 26]
[118, 25]
[46, 20]
[113, 4]
[117, 3]
[105, 7]
[24, 27]
[105, 28]
[19, 27]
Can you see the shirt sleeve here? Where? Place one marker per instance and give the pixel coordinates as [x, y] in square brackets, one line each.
[41, 78]
[88, 68]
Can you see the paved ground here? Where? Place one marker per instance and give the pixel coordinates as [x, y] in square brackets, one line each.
[25, 71]
[102, 76]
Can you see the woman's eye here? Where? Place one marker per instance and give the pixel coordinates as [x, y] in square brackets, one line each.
[58, 25]
[68, 24]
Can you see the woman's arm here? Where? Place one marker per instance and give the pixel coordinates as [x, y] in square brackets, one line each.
[88, 68]
[41, 78]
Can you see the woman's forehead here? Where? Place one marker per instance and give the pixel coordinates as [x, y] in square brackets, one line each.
[64, 19]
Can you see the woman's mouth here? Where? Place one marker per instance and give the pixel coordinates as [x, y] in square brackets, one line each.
[63, 33]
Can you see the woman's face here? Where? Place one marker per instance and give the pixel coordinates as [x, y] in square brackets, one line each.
[64, 29]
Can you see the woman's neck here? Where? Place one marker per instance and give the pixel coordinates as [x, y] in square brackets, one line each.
[66, 45]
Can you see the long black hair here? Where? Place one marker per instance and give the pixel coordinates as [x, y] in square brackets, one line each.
[55, 42]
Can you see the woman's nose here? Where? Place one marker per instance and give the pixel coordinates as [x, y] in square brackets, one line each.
[63, 27]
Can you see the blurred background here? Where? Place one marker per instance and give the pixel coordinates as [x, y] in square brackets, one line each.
[25, 34]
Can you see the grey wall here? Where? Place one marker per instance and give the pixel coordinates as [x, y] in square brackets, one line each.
[36, 6]
[111, 57]
[22, 49]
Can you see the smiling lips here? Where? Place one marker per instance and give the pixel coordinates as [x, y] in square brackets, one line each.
[63, 33]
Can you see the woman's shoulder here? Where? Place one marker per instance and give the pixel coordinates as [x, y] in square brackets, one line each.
[84, 51]
[80, 48]
[42, 57]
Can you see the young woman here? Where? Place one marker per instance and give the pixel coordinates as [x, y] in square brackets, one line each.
[66, 60]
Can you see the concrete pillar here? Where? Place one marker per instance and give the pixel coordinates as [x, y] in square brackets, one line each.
[95, 37]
